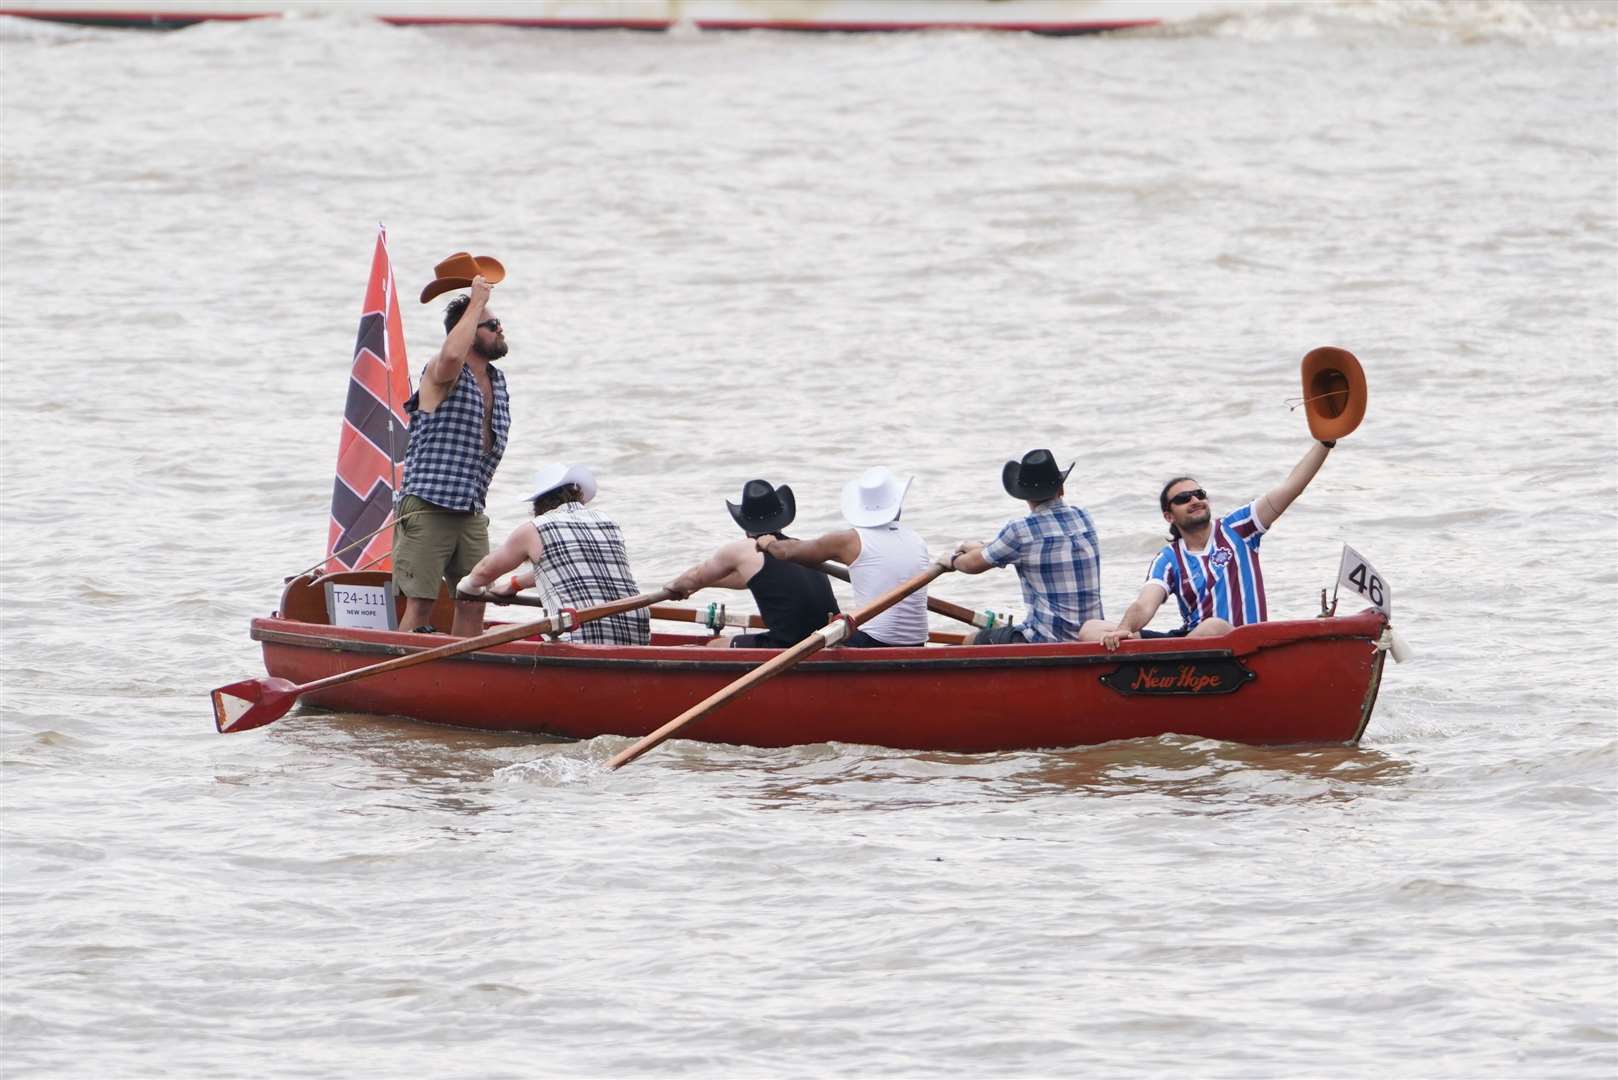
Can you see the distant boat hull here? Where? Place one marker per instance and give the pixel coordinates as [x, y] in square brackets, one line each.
[827, 16]
[1304, 682]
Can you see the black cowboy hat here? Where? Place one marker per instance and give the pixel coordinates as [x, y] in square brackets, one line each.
[1035, 478]
[764, 509]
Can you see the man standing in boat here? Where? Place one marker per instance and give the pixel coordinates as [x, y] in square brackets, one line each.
[578, 555]
[879, 553]
[1054, 549]
[1211, 567]
[460, 418]
[793, 600]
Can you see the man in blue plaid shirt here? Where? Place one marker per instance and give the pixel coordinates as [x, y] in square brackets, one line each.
[1054, 549]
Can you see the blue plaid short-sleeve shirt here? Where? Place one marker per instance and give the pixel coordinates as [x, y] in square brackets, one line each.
[1058, 561]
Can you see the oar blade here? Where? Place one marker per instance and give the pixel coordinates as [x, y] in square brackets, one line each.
[251, 703]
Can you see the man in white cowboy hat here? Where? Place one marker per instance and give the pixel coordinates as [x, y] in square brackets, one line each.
[793, 600]
[460, 419]
[1054, 549]
[578, 559]
[879, 553]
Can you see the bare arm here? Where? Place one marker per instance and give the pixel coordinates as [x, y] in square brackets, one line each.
[1273, 504]
[843, 547]
[445, 368]
[1141, 611]
[969, 558]
[522, 545]
[726, 568]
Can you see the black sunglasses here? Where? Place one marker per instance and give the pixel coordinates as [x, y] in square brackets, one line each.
[1186, 496]
[491, 325]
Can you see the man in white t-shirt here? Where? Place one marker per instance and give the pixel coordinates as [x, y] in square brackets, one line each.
[879, 552]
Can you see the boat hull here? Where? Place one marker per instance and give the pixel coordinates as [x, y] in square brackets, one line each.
[1279, 683]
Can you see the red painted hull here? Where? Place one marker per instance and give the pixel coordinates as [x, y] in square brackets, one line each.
[1302, 682]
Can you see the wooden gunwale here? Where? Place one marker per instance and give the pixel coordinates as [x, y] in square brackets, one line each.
[537, 654]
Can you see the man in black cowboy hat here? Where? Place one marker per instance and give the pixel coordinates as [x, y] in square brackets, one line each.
[793, 600]
[1054, 549]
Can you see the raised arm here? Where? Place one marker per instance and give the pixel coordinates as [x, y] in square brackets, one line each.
[843, 547]
[1275, 502]
[445, 368]
[724, 568]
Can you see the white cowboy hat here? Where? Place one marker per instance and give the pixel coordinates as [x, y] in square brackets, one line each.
[554, 474]
[875, 498]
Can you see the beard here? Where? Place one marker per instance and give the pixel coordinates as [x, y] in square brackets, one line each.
[1197, 521]
[492, 352]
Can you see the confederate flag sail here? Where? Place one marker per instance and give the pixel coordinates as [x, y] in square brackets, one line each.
[370, 455]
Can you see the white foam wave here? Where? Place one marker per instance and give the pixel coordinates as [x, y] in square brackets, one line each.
[554, 769]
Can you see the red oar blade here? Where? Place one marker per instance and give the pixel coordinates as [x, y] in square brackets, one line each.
[252, 703]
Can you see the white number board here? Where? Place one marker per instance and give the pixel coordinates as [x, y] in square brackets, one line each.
[360, 605]
[1359, 575]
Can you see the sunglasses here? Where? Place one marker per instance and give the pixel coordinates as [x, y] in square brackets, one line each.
[491, 325]
[1186, 496]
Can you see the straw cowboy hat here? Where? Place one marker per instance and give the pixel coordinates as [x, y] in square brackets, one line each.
[1035, 478]
[1333, 392]
[875, 498]
[457, 272]
[764, 509]
[553, 475]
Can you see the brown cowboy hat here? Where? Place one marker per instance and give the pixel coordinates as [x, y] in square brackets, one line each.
[1333, 392]
[457, 272]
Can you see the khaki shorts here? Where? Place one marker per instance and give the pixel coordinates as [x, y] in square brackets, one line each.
[437, 546]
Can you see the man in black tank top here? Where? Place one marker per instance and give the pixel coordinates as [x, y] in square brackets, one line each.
[793, 600]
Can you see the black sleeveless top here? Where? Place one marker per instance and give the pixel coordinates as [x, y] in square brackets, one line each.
[794, 600]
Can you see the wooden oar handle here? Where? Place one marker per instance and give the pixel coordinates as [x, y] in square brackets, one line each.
[713, 618]
[835, 631]
[936, 605]
[811, 644]
[561, 621]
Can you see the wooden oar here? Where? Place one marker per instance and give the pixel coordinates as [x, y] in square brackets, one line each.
[833, 632]
[256, 702]
[981, 619]
[712, 618]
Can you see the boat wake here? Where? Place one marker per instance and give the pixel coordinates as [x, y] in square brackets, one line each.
[555, 769]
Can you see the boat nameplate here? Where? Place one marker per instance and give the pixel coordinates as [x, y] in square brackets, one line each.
[1190, 677]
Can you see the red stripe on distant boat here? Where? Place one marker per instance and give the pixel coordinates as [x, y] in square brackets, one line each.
[788, 25]
[187, 18]
[98, 15]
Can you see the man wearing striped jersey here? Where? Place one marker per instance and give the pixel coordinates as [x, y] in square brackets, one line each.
[1211, 567]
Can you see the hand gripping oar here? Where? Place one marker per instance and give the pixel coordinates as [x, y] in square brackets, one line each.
[981, 619]
[256, 702]
[830, 634]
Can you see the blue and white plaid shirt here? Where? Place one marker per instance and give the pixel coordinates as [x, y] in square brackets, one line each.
[1058, 561]
[445, 462]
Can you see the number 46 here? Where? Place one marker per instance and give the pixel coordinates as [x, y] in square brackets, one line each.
[1368, 584]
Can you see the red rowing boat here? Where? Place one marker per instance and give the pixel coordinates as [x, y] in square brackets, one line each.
[1301, 682]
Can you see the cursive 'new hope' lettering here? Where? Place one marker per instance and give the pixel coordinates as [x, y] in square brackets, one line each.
[1185, 680]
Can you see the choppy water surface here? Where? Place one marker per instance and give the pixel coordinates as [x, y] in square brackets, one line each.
[794, 257]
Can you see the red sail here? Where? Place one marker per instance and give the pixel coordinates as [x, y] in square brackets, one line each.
[370, 454]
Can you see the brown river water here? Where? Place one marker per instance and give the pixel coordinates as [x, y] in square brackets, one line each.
[794, 257]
